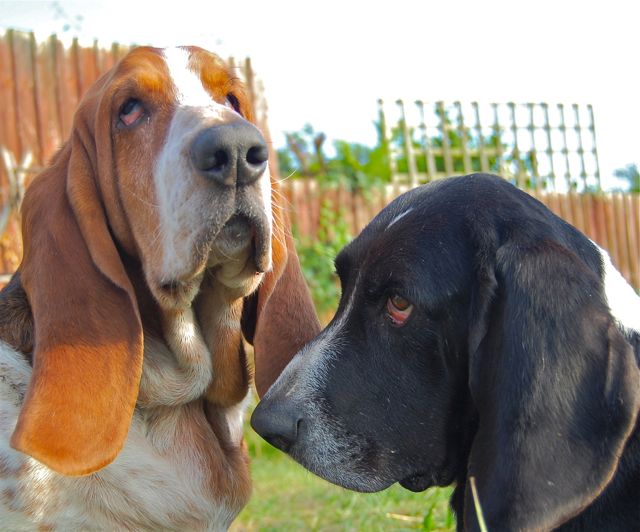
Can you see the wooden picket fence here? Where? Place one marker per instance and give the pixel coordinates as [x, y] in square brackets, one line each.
[41, 84]
[612, 220]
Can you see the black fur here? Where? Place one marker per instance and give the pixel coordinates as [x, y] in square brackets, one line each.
[511, 368]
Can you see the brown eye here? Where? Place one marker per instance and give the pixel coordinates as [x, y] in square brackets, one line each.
[398, 310]
[131, 112]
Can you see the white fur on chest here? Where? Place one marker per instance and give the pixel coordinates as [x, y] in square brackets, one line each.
[160, 480]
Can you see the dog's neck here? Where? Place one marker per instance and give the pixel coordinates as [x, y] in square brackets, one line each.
[193, 352]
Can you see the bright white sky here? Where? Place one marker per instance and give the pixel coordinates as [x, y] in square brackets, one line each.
[327, 63]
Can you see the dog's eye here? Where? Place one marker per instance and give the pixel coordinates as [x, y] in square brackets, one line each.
[131, 112]
[233, 103]
[398, 310]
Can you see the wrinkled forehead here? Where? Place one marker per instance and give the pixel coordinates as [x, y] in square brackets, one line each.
[190, 75]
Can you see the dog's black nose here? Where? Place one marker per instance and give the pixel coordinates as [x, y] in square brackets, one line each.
[278, 423]
[232, 154]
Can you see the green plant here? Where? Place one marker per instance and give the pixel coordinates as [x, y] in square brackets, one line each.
[353, 165]
[631, 175]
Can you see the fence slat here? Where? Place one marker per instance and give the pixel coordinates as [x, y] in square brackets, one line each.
[484, 161]
[594, 151]
[578, 133]
[533, 154]
[8, 119]
[624, 252]
[430, 161]
[610, 221]
[48, 112]
[565, 148]
[408, 146]
[464, 140]
[446, 141]
[632, 212]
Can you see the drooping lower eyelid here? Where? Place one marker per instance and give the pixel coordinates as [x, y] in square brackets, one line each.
[131, 112]
[398, 316]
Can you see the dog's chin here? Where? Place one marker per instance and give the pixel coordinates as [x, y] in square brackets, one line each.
[242, 239]
[417, 482]
[354, 479]
[236, 255]
[358, 482]
[240, 254]
[373, 483]
[421, 481]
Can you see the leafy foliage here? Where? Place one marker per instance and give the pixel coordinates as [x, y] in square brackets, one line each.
[631, 175]
[353, 165]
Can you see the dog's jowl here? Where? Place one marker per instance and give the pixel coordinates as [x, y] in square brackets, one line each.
[478, 336]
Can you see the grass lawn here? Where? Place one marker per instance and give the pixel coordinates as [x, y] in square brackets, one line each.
[287, 497]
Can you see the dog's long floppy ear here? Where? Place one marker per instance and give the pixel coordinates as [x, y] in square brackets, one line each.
[87, 358]
[280, 317]
[555, 384]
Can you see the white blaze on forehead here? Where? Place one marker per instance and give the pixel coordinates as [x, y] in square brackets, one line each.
[189, 88]
[400, 216]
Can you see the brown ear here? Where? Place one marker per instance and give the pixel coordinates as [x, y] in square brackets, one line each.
[87, 357]
[280, 318]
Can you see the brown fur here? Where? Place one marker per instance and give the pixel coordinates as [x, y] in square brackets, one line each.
[102, 345]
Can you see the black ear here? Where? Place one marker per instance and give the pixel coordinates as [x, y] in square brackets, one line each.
[555, 384]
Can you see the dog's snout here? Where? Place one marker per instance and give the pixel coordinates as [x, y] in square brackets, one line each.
[277, 423]
[234, 154]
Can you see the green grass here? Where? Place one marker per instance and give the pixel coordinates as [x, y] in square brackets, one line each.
[286, 497]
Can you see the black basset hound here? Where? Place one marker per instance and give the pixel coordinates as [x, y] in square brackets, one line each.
[478, 336]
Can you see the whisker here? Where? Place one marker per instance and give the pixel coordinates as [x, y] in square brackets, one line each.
[278, 194]
[156, 236]
[283, 179]
[140, 198]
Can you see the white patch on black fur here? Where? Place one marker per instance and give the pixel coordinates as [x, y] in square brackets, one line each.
[623, 301]
[399, 216]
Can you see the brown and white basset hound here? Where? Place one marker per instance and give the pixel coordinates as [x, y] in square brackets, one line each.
[153, 245]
